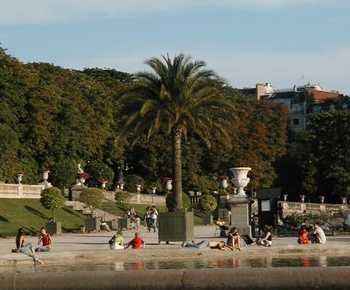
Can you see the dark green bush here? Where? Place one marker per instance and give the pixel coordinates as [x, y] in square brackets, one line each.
[52, 199]
[92, 197]
[208, 203]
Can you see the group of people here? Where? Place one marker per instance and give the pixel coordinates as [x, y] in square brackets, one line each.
[117, 242]
[44, 244]
[307, 234]
[311, 234]
[150, 218]
[234, 241]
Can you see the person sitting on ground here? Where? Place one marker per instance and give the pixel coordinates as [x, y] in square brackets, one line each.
[319, 236]
[105, 226]
[220, 245]
[44, 242]
[200, 245]
[223, 228]
[234, 239]
[136, 243]
[117, 241]
[25, 248]
[266, 240]
[303, 236]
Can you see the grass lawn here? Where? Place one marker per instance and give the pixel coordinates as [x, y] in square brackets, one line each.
[31, 215]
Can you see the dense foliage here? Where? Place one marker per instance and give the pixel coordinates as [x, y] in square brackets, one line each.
[92, 197]
[322, 156]
[53, 118]
[52, 199]
[208, 203]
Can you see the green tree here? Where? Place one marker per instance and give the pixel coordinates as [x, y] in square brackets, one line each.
[63, 173]
[180, 97]
[52, 199]
[325, 154]
[92, 197]
[208, 203]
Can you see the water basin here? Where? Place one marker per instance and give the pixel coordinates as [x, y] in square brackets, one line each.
[235, 262]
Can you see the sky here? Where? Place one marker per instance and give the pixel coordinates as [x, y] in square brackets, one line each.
[284, 42]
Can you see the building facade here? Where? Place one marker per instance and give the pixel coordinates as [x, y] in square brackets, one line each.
[301, 101]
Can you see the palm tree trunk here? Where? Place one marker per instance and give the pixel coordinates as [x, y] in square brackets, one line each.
[177, 167]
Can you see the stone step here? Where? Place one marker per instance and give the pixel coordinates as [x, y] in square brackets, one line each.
[81, 207]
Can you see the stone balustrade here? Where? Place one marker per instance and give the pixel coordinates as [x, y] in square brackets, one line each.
[147, 199]
[20, 190]
[289, 207]
[133, 198]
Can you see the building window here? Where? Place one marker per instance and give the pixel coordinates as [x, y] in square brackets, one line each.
[295, 122]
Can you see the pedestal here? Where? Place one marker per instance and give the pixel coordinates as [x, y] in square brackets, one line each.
[240, 214]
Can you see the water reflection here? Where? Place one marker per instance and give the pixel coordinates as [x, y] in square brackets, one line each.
[234, 262]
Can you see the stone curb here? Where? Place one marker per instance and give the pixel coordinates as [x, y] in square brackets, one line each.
[222, 279]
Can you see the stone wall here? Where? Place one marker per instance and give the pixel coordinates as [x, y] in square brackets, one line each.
[288, 208]
[20, 190]
[146, 199]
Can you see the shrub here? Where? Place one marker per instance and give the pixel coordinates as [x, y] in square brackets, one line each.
[208, 203]
[92, 197]
[52, 199]
[171, 201]
[131, 182]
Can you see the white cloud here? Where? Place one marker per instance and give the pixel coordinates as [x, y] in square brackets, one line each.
[53, 11]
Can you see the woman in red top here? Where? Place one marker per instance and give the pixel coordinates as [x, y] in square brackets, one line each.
[303, 236]
[44, 243]
[136, 242]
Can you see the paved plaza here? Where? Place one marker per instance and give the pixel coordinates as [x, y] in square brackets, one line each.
[77, 248]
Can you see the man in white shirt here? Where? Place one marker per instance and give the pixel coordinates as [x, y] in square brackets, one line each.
[319, 235]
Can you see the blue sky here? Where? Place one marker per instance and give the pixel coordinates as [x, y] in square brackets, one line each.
[284, 42]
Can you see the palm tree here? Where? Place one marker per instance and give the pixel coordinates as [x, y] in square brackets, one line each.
[178, 96]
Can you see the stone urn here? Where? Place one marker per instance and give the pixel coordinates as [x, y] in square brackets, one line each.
[302, 198]
[138, 188]
[285, 196]
[169, 184]
[322, 198]
[224, 182]
[46, 175]
[240, 179]
[344, 200]
[20, 177]
[103, 183]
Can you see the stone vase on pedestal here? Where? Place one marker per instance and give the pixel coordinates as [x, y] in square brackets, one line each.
[239, 202]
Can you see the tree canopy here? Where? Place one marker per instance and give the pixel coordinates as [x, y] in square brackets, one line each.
[53, 118]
